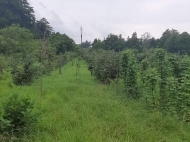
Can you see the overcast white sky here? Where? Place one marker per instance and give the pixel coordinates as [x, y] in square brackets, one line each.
[102, 17]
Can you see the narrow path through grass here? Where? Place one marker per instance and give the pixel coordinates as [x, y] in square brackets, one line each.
[78, 109]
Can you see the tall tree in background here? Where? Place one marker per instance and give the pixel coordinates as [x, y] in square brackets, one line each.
[166, 35]
[183, 43]
[16, 12]
[61, 43]
[133, 42]
[98, 44]
[43, 28]
[86, 44]
[175, 42]
[114, 42]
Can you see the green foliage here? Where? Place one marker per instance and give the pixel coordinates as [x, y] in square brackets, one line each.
[16, 12]
[150, 88]
[43, 29]
[62, 43]
[106, 65]
[183, 104]
[98, 44]
[134, 42]
[17, 115]
[85, 44]
[165, 82]
[15, 40]
[103, 64]
[114, 42]
[129, 74]
[159, 78]
[172, 95]
[80, 109]
[2, 64]
[164, 70]
[23, 76]
[175, 42]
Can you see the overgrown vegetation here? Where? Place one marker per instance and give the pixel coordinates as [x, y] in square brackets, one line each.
[76, 108]
[156, 77]
[103, 64]
[17, 116]
[48, 67]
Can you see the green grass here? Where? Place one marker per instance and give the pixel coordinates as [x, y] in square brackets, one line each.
[78, 109]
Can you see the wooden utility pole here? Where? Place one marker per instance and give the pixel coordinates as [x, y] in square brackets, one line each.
[43, 54]
[81, 35]
[77, 62]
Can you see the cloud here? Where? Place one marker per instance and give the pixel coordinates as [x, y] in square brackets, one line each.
[42, 5]
[102, 17]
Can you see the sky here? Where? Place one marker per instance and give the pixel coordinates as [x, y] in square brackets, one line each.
[99, 18]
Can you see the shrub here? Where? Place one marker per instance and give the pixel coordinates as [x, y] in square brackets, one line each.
[129, 74]
[23, 76]
[103, 64]
[17, 115]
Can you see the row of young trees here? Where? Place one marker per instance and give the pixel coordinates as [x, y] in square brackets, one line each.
[163, 81]
[158, 78]
[26, 42]
[28, 49]
[19, 48]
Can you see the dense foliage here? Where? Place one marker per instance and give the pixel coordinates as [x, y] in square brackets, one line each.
[23, 76]
[103, 64]
[16, 12]
[171, 40]
[30, 48]
[156, 77]
[129, 74]
[17, 115]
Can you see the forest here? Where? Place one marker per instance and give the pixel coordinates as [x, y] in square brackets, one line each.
[115, 89]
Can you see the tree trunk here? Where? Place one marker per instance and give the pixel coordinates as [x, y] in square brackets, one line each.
[1, 69]
[60, 71]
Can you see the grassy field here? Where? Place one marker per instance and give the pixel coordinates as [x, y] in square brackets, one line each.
[78, 109]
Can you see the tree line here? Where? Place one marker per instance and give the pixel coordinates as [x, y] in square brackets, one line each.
[171, 40]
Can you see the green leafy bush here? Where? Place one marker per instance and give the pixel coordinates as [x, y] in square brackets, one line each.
[17, 115]
[129, 74]
[23, 76]
[104, 64]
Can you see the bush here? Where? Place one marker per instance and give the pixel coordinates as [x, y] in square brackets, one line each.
[17, 115]
[103, 64]
[23, 76]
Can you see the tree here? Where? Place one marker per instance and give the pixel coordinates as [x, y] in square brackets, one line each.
[61, 42]
[133, 42]
[86, 44]
[17, 40]
[114, 42]
[183, 43]
[43, 29]
[166, 35]
[98, 44]
[147, 41]
[175, 42]
[16, 12]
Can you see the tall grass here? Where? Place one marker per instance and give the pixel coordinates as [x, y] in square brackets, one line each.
[78, 109]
